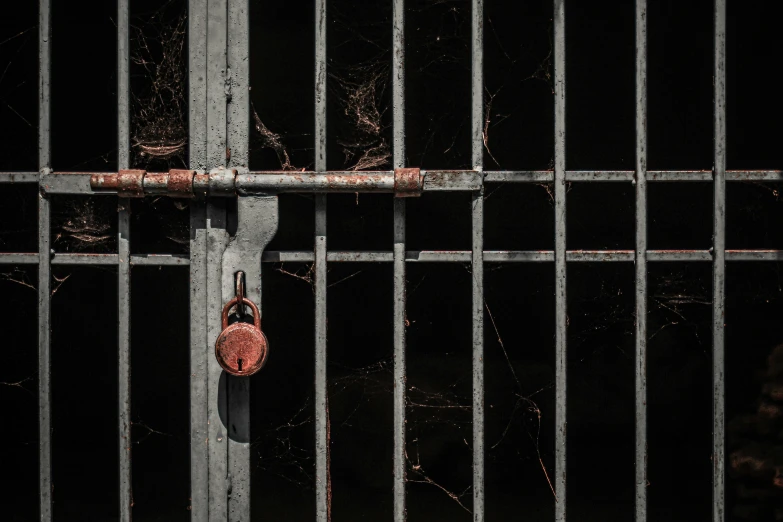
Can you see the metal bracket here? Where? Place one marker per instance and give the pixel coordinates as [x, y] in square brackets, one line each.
[257, 225]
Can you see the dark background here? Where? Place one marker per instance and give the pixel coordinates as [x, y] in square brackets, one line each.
[519, 370]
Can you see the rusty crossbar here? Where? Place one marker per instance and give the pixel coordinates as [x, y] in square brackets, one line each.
[207, 150]
[235, 183]
[177, 183]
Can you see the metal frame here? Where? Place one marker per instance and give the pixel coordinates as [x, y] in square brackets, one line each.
[219, 121]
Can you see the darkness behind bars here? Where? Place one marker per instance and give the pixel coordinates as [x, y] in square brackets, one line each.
[600, 124]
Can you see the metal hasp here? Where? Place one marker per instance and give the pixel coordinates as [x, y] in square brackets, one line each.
[402, 182]
[241, 349]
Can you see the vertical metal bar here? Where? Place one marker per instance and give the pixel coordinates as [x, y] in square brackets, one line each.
[217, 404]
[217, 239]
[123, 266]
[199, 362]
[238, 145]
[44, 266]
[641, 260]
[238, 109]
[398, 153]
[323, 487]
[560, 263]
[719, 263]
[477, 258]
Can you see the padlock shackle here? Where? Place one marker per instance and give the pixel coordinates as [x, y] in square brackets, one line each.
[248, 302]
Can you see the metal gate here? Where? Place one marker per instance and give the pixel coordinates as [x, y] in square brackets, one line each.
[219, 144]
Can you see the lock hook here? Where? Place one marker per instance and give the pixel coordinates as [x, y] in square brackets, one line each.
[239, 292]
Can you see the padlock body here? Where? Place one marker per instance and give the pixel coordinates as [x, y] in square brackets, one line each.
[241, 349]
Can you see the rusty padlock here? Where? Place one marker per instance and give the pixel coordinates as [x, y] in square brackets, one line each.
[241, 348]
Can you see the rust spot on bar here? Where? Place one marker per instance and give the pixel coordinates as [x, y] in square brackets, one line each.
[408, 182]
[104, 181]
[130, 183]
[181, 183]
[155, 182]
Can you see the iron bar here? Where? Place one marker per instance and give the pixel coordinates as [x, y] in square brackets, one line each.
[44, 268]
[323, 488]
[248, 259]
[123, 264]
[719, 262]
[199, 365]
[560, 262]
[217, 92]
[641, 264]
[398, 258]
[199, 391]
[19, 177]
[412, 256]
[256, 182]
[158, 260]
[197, 150]
[477, 255]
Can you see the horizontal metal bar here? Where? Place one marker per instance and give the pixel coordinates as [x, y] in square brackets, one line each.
[79, 182]
[67, 183]
[453, 180]
[411, 256]
[93, 259]
[679, 175]
[18, 177]
[599, 175]
[85, 259]
[10, 258]
[434, 180]
[255, 182]
[523, 256]
[159, 260]
[518, 176]
[547, 176]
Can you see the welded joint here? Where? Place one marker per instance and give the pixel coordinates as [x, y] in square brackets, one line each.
[408, 182]
[42, 175]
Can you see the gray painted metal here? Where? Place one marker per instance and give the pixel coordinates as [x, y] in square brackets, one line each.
[257, 225]
[641, 262]
[217, 403]
[199, 362]
[398, 255]
[44, 267]
[158, 260]
[218, 88]
[19, 177]
[477, 256]
[719, 264]
[123, 265]
[560, 263]
[322, 480]
[323, 487]
[199, 342]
